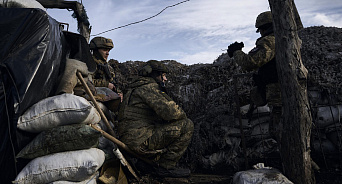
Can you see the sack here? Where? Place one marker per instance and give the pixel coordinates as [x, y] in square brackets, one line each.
[260, 176]
[69, 166]
[90, 180]
[59, 139]
[56, 111]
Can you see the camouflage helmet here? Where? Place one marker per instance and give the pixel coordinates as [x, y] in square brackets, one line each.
[151, 66]
[263, 19]
[101, 43]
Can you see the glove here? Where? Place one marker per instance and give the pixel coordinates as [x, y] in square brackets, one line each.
[234, 47]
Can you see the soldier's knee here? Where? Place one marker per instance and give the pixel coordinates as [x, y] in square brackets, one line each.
[189, 126]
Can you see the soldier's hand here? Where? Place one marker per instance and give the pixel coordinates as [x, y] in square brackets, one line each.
[111, 86]
[234, 47]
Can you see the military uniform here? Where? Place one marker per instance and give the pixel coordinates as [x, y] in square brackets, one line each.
[104, 73]
[152, 124]
[262, 58]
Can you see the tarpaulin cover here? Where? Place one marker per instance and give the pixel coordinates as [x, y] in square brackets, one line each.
[32, 57]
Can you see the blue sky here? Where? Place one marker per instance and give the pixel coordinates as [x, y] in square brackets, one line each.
[193, 32]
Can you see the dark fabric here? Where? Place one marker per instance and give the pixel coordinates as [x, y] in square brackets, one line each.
[32, 58]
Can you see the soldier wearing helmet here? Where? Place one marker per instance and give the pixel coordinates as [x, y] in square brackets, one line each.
[104, 76]
[152, 124]
[262, 59]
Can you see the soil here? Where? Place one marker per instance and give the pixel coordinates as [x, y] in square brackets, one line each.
[207, 93]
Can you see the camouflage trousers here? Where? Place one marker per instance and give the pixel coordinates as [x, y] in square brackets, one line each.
[173, 139]
[273, 97]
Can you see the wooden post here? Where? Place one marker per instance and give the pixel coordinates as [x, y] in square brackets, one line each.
[296, 117]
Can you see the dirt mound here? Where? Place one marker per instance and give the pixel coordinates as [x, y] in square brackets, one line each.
[206, 92]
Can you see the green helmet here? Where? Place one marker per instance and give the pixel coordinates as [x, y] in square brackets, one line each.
[263, 19]
[153, 65]
[101, 43]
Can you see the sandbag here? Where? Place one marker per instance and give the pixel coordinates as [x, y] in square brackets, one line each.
[262, 175]
[56, 111]
[323, 146]
[261, 110]
[328, 115]
[59, 139]
[21, 4]
[69, 166]
[334, 134]
[260, 131]
[90, 180]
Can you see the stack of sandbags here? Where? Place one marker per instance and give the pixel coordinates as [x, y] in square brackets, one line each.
[327, 127]
[65, 148]
[258, 138]
[256, 132]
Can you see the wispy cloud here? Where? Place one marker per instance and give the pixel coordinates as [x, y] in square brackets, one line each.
[192, 32]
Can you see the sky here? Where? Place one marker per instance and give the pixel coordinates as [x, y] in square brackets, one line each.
[195, 31]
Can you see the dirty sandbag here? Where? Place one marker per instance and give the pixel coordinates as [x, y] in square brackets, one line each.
[56, 111]
[260, 174]
[70, 166]
[328, 115]
[59, 139]
[21, 4]
[334, 134]
[323, 146]
[79, 49]
[91, 180]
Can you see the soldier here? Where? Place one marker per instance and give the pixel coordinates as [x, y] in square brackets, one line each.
[262, 58]
[152, 124]
[104, 75]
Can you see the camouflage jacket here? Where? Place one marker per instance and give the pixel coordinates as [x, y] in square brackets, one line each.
[262, 53]
[101, 77]
[144, 107]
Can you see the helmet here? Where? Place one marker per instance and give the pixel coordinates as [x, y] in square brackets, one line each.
[157, 66]
[263, 19]
[153, 65]
[101, 43]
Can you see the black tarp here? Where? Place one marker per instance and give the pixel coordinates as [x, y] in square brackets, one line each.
[33, 48]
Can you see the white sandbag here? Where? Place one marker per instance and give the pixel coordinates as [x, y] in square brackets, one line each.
[70, 166]
[260, 175]
[323, 146]
[334, 133]
[261, 131]
[259, 110]
[21, 4]
[56, 111]
[328, 115]
[90, 180]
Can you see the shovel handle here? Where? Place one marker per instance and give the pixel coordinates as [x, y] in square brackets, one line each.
[80, 77]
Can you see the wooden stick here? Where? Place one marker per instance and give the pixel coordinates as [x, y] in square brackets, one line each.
[122, 145]
[119, 143]
[111, 131]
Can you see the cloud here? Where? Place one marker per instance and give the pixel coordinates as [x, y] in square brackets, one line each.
[192, 32]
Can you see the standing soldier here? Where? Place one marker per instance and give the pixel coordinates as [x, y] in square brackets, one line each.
[152, 124]
[262, 58]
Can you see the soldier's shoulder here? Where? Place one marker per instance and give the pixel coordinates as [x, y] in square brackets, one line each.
[266, 41]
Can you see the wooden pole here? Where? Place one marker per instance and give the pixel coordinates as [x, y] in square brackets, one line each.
[112, 138]
[110, 129]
